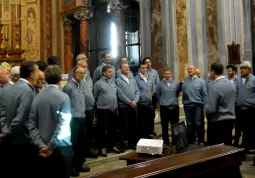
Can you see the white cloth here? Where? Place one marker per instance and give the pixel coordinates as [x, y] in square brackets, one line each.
[167, 82]
[244, 79]
[125, 78]
[144, 77]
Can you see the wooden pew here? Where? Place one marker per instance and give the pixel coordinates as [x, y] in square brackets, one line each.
[219, 160]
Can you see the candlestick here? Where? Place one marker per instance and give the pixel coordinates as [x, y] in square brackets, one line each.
[17, 47]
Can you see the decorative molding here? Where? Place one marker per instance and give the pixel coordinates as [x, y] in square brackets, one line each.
[83, 14]
[115, 5]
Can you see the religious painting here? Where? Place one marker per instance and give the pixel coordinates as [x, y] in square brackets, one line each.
[182, 38]
[156, 34]
[31, 26]
[212, 32]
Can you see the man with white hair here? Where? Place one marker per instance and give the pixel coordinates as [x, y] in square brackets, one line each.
[14, 74]
[81, 59]
[245, 101]
[107, 59]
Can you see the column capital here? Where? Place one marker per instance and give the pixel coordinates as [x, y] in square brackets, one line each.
[114, 5]
[83, 14]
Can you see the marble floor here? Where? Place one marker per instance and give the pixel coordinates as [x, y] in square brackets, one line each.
[112, 161]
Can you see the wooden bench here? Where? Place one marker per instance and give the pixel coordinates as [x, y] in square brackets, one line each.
[219, 160]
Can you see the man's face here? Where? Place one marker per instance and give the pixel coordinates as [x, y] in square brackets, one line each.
[143, 69]
[167, 75]
[16, 77]
[231, 72]
[34, 75]
[108, 74]
[79, 74]
[83, 57]
[198, 73]
[108, 58]
[191, 70]
[245, 71]
[125, 69]
[41, 80]
[148, 63]
[85, 67]
[124, 60]
[5, 77]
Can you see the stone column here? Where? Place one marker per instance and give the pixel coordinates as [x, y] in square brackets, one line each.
[83, 16]
[68, 51]
[119, 20]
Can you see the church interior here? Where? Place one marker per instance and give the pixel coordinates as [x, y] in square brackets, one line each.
[173, 33]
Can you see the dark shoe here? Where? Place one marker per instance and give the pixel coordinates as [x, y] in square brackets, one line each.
[154, 133]
[122, 150]
[84, 169]
[151, 136]
[236, 144]
[116, 150]
[103, 152]
[74, 173]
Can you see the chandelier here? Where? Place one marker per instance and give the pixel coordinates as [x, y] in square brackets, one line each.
[114, 5]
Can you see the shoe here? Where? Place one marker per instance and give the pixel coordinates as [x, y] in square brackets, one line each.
[103, 152]
[116, 150]
[154, 133]
[74, 173]
[122, 150]
[151, 136]
[236, 144]
[84, 169]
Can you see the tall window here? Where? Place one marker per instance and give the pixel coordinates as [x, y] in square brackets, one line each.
[133, 47]
[114, 40]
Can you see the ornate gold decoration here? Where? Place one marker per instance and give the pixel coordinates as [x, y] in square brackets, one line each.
[17, 47]
[83, 14]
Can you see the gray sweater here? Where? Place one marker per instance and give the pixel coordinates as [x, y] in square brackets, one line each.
[76, 93]
[105, 93]
[89, 98]
[17, 103]
[98, 73]
[168, 95]
[127, 92]
[194, 92]
[221, 101]
[245, 93]
[145, 89]
[153, 74]
[50, 116]
[3, 89]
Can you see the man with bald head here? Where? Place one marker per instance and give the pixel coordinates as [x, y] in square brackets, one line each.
[81, 59]
[194, 98]
[198, 72]
[40, 82]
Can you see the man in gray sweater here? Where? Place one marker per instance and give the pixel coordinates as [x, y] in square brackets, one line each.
[81, 60]
[194, 98]
[17, 102]
[167, 92]
[153, 74]
[220, 108]
[105, 93]
[245, 101]
[89, 102]
[128, 97]
[75, 90]
[107, 59]
[122, 61]
[146, 88]
[49, 125]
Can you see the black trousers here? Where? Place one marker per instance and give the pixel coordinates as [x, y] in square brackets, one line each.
[58, 164]
[220, 132]
[145, 119]
[168, 116]
[194, 123]
[154, 104]
[127, 125]
[238, 124]
[19, 161]
[78, 135]
[89, 130]
[106, 130]
[248, 123]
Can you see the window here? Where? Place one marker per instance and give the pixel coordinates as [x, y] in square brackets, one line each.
[114, 43]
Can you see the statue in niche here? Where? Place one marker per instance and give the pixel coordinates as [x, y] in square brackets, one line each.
[212, 36]
[31, 26]
[156, 34]
[6, 8]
